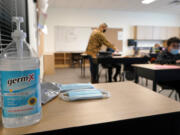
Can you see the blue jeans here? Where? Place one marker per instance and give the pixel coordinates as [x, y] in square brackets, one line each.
[94, 69]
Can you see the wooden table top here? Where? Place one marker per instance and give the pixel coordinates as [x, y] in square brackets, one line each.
[127, 101]
[156, 66]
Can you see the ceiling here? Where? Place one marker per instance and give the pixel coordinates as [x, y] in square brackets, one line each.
[124, 5]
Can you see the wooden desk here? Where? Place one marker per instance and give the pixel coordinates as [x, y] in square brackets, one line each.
[157, 73]
[126, 61]
[122, 59]
[130, 105]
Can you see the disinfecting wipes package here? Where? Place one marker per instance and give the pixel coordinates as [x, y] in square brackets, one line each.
[49, 91]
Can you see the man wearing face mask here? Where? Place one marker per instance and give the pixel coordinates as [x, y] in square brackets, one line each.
[171, 54]
[96, 41]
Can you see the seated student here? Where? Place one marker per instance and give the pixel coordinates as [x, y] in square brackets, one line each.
[154, 52]
[156, 49]
[171, 54]
[117, 66]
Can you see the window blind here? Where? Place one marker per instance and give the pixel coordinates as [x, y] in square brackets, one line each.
[6, 13]
[8, 9]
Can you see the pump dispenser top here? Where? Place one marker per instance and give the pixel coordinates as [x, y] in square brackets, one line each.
[18, 48]
[18, 35]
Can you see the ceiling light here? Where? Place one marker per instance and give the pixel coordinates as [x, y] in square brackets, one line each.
[148, 1]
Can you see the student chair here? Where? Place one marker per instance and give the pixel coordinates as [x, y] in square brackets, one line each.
[75, 59]
[105, 68]
[169, 88]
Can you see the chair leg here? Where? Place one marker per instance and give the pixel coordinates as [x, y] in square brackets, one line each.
[171, 93]
[146, 82]
[123, 76]
[120, 77]
[106, 75]
[142, 81]
[176, 96]
[99, 74]
[161, 90]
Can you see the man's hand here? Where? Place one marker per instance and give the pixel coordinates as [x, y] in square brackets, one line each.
[177, 61]
[117, 50]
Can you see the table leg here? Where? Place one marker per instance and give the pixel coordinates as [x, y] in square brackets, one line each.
[154, 85]
[84, 68]
[72, 60]
[81, 66]
[98, 74]
[146, 82]
[136, 77]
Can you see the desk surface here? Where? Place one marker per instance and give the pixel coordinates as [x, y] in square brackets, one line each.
[128, 100]
[116, 56]
[84, 54]
[156, 66]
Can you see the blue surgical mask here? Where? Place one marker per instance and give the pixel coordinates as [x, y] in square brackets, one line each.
[174, 51]
[78, 86]
[84, 94]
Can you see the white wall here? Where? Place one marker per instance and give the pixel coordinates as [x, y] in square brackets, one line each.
[116, 19]
[33, 32]
[32, 24]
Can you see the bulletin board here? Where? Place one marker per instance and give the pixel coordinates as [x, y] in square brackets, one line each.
[115, 36]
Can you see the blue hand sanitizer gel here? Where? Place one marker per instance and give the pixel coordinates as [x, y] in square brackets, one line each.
[20, 83]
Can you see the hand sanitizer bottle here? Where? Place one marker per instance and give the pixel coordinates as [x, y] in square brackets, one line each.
[20, 83]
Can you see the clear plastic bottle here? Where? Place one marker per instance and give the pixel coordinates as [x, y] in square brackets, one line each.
[20, 83]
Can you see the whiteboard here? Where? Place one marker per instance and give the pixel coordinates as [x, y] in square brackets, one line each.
[71, 39]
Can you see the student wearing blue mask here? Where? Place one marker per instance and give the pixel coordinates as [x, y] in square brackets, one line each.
[171, 54]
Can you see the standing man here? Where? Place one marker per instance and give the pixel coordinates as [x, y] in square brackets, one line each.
[95, 43]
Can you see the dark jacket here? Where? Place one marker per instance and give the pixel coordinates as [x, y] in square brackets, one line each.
[167, 58]
[110, 50]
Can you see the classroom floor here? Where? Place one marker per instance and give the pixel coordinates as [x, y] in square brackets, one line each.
[73, 75]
